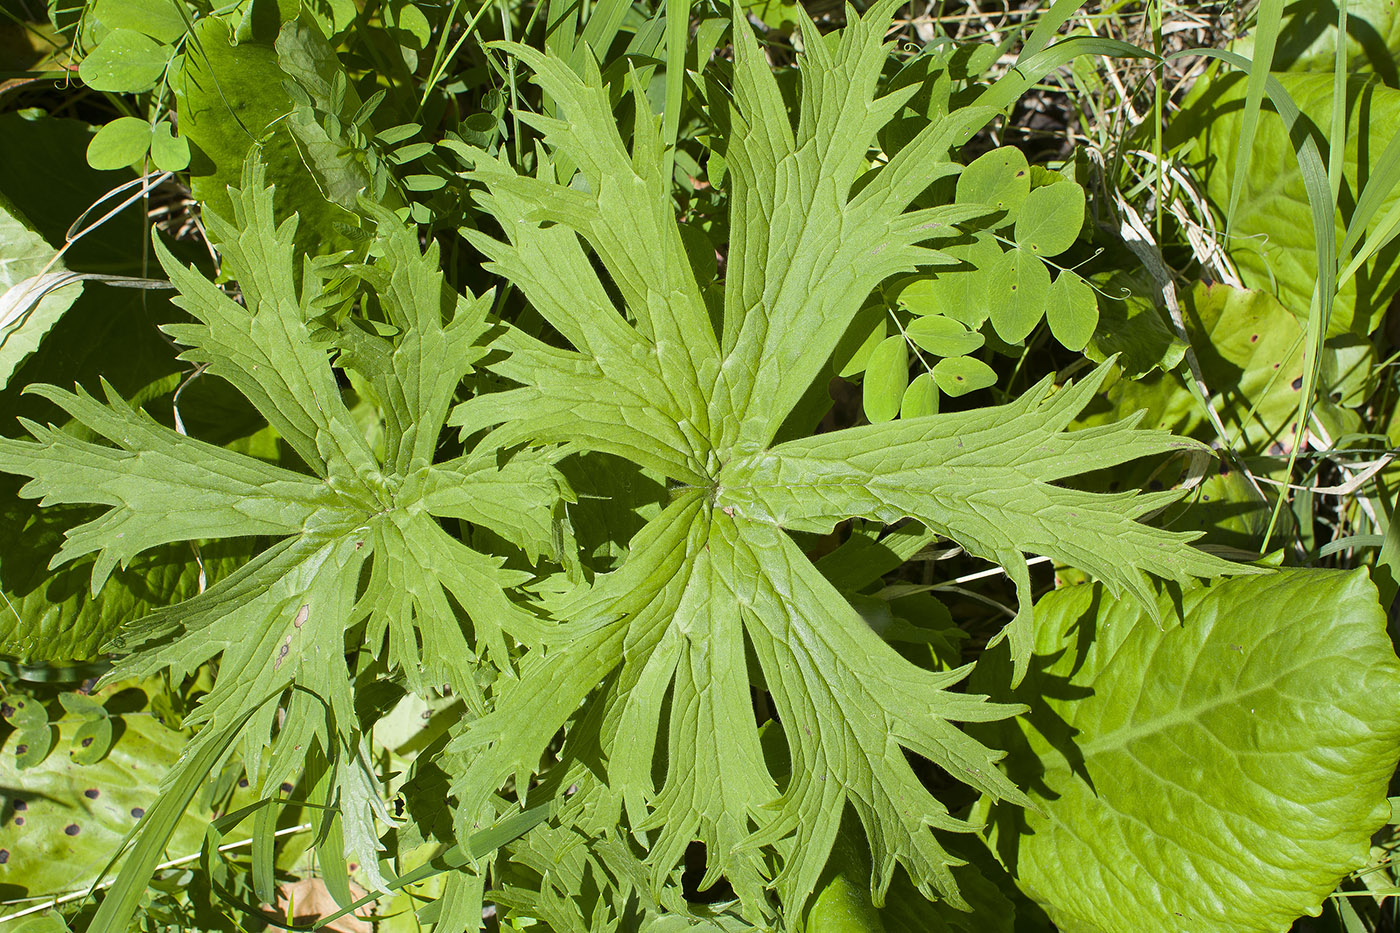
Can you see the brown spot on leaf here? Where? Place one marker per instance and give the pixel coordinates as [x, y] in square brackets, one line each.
[87, 741]
[71, 829]
[138, 812]
[282, 653]
[92, 793]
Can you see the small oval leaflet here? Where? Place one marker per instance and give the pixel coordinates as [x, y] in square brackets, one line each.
[886, 378]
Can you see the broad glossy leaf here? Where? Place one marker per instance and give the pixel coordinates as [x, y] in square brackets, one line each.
[338, 164]
[1272, 241]
[230, 97]
[24, 255]
[1221, 774]
[1132, 328]
[32, 48]
[1251, 357]
[49, 181]
[1250, 353]
[1308, 38]
[63, 821]
[843, 903]
[51, 614]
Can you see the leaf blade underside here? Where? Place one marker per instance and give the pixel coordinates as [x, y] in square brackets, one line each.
[808, 243]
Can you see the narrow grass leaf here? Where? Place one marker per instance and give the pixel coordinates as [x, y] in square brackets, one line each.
[1266, 30]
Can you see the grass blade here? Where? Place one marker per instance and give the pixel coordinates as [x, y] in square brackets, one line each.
[1314, 173]
[600, 30]
[677, 34]
[1266, 32]
[1028, 72]
[1337, 135]
[479, 846]
[156, 827]
[1047, 25]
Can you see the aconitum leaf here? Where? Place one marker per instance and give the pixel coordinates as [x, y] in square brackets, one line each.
[660, 650]
[357, 546]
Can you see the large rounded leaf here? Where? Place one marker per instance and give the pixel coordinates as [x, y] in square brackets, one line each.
[1017, 288]
[1219, 775]
[127, 62]
[1001, 179]
[230, 97]
[63, 821]
[1307, 40]
[28, 309]
[1272, 236]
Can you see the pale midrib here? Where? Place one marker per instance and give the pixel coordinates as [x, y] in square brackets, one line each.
[1120, 738]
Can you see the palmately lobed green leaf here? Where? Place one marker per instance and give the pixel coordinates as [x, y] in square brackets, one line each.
[651, 668]
[356, 540]
[986, 479]
[160, 485]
